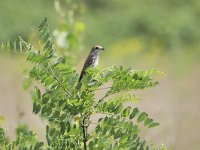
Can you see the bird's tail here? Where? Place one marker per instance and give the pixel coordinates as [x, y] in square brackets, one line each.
[81, 76]
[78, 86]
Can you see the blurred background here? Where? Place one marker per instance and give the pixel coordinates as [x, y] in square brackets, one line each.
[140, 34]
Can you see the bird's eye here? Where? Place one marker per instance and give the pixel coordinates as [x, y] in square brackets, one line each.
[96, 47]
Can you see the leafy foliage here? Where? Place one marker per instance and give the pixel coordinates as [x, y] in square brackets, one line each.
[68, 34]
[25, 139]
[68, 110]
[148, 21]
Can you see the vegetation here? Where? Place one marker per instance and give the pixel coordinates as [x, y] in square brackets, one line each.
[69, 110]
[146, 20]
[140, 34]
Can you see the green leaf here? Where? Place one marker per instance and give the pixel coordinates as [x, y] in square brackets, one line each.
[154, 124]
[118, 134]
[62, 127]
[36, 108]
[91, 145]
[38, 145]
[43, 110]
[124, 138]
[47, 135]
[48, 45]
[148, 121]
[41, 26]
[142, 116]
[134, 112]
[45, 100]
[126, 111]
[38, 93]
[52, 131]
[118, 109]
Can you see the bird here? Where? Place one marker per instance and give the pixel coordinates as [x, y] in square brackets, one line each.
[92, 60]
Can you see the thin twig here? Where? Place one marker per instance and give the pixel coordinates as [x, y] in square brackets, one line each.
[102, 98]
[103, 88]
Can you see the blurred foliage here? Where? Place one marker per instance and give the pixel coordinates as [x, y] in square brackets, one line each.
[20, 16]
[25, 139]
[68, 32]
[173, 22]
[68, 110]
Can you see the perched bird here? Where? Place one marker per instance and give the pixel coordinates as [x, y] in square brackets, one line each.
[92, 60]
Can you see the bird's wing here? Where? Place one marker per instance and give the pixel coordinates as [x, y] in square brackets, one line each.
[89, 62]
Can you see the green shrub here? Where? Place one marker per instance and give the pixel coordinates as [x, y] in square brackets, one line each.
[68, 110]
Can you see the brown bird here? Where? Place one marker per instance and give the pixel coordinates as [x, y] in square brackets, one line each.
[92, 60]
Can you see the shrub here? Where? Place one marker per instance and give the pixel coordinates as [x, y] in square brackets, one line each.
[68, 110]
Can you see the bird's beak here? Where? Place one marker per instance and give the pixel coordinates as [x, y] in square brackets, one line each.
[102, 48]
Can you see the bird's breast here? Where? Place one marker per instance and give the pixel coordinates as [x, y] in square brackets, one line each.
[96, 61]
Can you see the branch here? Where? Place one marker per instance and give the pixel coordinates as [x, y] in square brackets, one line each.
[100, 100]
[52, 73]
[84, 128]
[67, 93]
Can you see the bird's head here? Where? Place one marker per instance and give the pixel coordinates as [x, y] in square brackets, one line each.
[97, 48]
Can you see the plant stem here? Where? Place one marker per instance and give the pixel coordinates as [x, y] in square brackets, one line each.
[52, 73]
[84, 128]
[104, 88]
